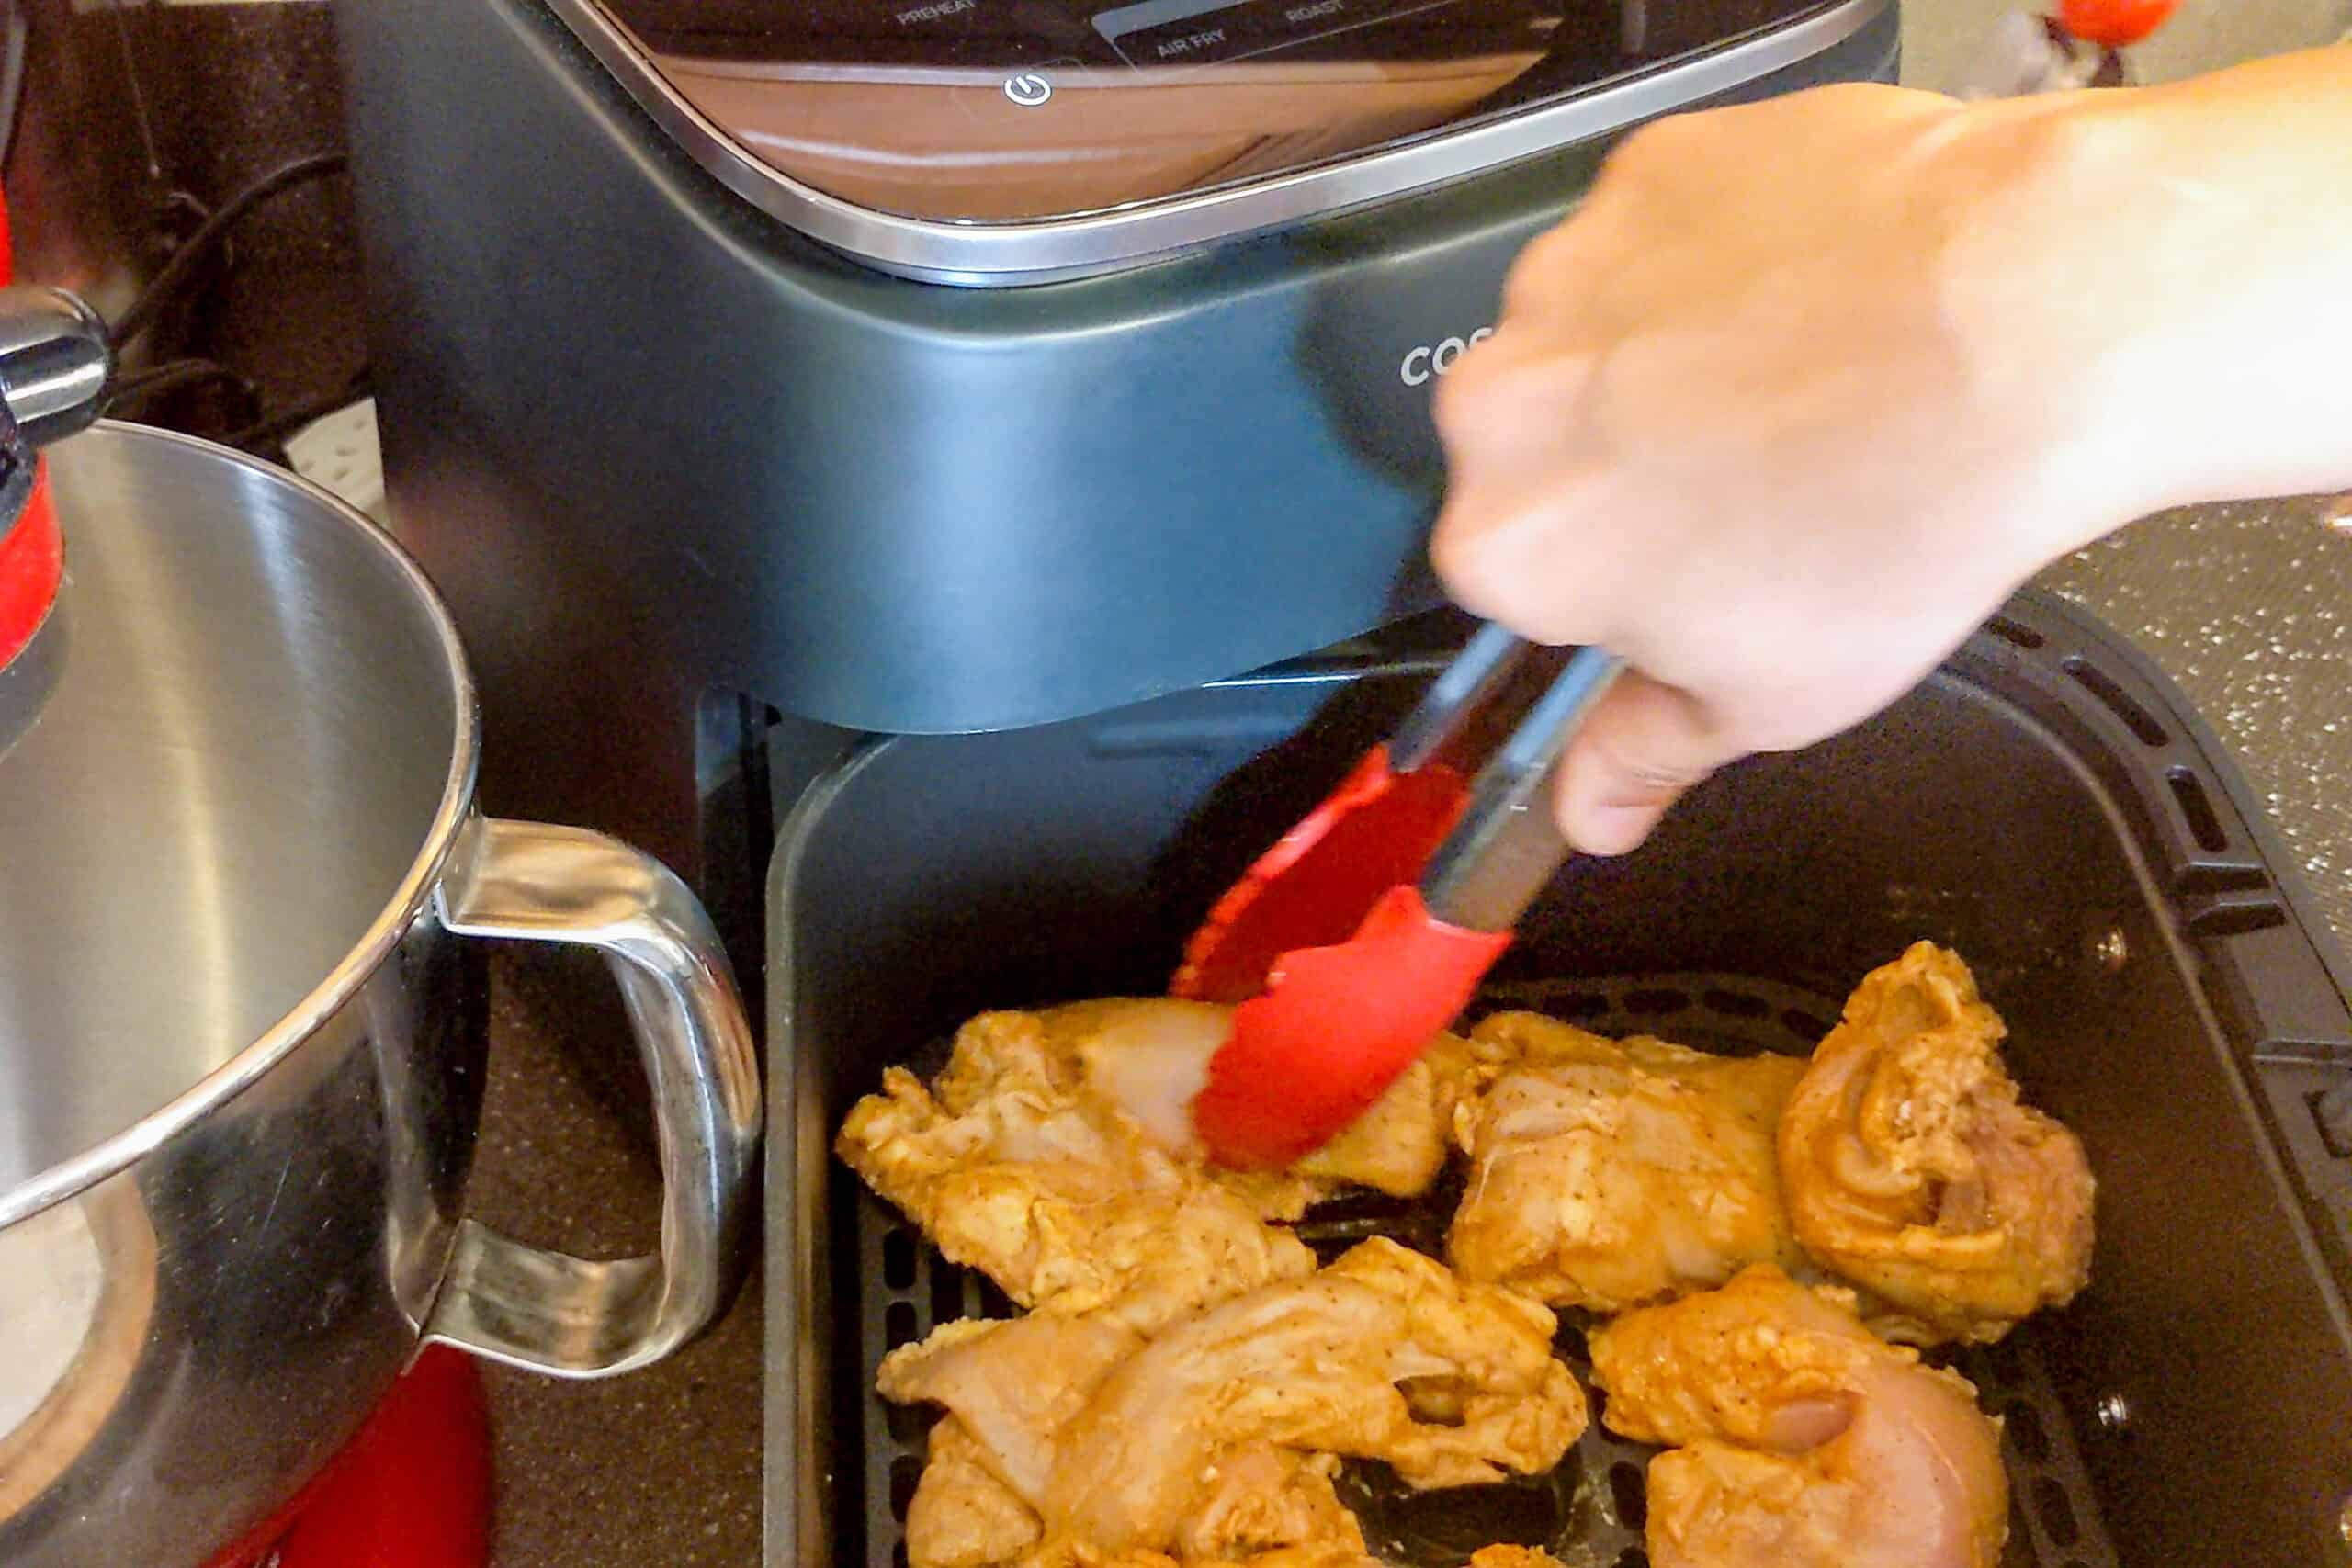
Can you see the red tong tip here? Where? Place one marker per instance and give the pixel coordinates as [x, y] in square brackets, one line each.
[1311, 889]
[1334, 1029]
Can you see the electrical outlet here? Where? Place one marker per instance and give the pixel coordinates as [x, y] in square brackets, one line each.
[340, 454]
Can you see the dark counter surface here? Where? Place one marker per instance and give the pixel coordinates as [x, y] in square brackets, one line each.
[659, 1469]
[2249, 607]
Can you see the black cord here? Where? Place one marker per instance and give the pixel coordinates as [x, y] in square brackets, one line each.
[170, 375]
[142, 313]
[263, 436]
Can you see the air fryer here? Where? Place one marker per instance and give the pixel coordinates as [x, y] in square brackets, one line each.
[699, 410]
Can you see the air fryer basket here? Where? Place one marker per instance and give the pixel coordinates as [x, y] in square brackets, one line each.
[2046, 805]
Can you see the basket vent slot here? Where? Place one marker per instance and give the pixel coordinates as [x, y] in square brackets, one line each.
[2332, 1108]
[1736, 1004]
[2195, 879]
[1807, 1027]
[2010, 631]
[899, 1325]
[898, 1261]
[2119, 701]
[2203, 826]
[1626, 1491]
[1657, 1003]
[909, 1424]
[2057, 1513]
[905, 1471]
[946, 1295]
[2237, 919]
[2024, 1428]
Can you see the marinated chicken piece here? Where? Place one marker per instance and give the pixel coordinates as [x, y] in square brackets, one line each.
[962, 1515]
[1054, 1154]
[1013, 1384]
[1213, 1441]
[1610, 1174]
[1401, 1145]
[1267, 1504]
[1798, 1439]
[1912, 1170]
[1010, 1169]
[1150, 1057]
[1264, 1507]
[1318, 1365]
[1512, 1557]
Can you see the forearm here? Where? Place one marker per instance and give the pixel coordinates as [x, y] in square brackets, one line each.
[2193, 247]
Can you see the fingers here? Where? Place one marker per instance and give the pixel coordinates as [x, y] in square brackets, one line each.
[1644, 745]
[1504, 541]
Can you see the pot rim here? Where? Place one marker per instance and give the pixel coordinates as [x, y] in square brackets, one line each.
[116, 1153]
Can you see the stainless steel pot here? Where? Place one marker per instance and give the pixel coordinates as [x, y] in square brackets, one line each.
[241, 1020]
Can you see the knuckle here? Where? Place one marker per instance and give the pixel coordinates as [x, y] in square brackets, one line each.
[1445, 397]
[1458, 561]
[1526, 285]
[1473, 556]
[1459, 403]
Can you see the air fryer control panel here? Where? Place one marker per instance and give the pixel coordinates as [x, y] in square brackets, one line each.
[1015, 110]
[1140, 34]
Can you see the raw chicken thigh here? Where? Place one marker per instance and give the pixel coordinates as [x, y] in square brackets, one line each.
[1912, 1170]
[1011, 1170]
[1610, 1174]
[1148, 1056]
[1212, 1441]
[1796, 1438]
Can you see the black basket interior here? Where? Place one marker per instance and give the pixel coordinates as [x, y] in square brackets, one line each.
[2043, 806]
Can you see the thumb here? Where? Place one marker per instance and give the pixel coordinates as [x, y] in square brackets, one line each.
[1642, 746]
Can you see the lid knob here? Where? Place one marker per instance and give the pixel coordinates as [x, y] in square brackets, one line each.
[54, 362]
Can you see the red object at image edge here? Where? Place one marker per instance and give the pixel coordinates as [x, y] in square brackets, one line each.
[32, 556]
[2114, 24]
[410, 1490]
[1334, 1029]
[32, 563]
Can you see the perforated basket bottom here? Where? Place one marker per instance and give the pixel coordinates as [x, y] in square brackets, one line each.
[1588, 1510]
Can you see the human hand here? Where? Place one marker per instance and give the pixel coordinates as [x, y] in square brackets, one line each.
[1787, 408]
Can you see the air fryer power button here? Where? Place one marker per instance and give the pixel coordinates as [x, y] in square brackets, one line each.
[1028, 89]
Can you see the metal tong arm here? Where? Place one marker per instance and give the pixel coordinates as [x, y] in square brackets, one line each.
[1463, 687]
[1507, 846]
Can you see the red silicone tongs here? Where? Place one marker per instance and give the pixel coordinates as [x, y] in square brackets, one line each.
[1367, 928]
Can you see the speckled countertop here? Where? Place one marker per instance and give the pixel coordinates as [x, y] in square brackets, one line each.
[2248, 607]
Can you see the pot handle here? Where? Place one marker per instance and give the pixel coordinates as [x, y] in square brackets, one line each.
[546, 1311]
